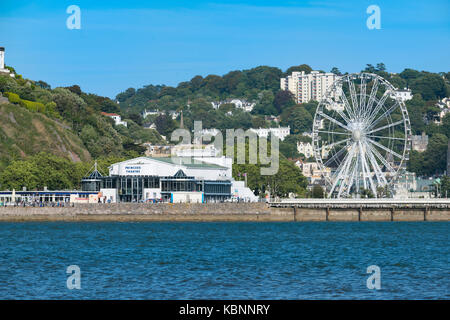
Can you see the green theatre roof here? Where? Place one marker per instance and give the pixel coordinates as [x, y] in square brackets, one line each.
[190, 163]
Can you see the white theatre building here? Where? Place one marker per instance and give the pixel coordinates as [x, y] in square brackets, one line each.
[170, 179]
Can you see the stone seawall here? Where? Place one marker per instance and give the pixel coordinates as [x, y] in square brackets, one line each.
[217, 212]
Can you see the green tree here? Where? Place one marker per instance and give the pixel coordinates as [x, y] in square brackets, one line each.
[165, 125]
[430, 86]
[303, 67]
[381, 66]
[435, 157]
[409, 75]
[336, 71]
[299, 119]
[289, 149]
[265, 104]
[39, 171]
[317, 191]
[416, 162]
[370, 68]
[20, 174]
[446, 125]
[444, 187]
[288, 179]
[283, 99]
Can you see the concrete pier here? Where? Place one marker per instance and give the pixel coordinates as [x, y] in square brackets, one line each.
[367, 209]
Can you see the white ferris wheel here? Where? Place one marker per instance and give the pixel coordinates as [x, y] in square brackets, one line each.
[361, 135]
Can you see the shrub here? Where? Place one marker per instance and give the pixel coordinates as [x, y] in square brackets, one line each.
[30, 105]
[12, 97]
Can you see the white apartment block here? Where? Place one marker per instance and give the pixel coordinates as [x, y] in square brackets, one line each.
[280, 132]
[307, 87]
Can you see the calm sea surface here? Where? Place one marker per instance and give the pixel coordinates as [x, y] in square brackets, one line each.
[225, 260]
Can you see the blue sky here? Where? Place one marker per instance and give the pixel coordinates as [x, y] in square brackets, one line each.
[125, 44]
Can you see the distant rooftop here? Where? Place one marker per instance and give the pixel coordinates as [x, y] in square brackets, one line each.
[109, 114]
[192, 163]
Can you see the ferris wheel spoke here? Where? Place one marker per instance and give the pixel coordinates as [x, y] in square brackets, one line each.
[382, 159]
[343, 184]
[377, 108]
[382, 137]
[376, 167]
[384, 115]
[337, 110]
[353, 177]
[346, 179]
[351, 86]
[385, 148]
[340, 170]
[347, 106]
[337, 154]
[334, 120]
[377, 170]
[363, 171]
[373, 94]
[362, 100]
[369, 174]
[347, 120]
[341, 165]
[334, 144]
[334, 132]
[385, 127]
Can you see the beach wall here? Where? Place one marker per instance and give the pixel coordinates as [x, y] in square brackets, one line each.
[217, 212]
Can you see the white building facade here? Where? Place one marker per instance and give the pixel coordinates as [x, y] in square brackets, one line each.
[312, 171]
[147, 113]
[402, 94]
[116, 117]
[2, 62]
[280, 132]
[238, 103]
[305, 148]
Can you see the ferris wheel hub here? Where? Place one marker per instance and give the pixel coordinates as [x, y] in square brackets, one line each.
[356, 135]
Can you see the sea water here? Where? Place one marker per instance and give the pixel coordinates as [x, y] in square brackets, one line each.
[142, 260]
